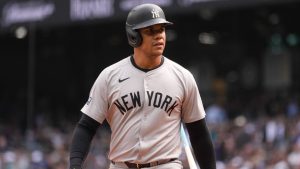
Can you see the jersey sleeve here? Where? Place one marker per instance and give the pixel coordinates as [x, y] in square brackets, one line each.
[192, 107]
[97, 104]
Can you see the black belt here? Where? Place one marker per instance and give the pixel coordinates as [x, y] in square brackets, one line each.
[146, 165]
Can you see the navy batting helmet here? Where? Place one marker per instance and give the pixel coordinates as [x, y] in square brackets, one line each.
[143, 16]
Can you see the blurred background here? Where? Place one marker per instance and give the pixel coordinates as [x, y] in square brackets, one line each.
[245, 56]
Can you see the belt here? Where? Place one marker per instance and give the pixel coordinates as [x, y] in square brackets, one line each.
[146, 165]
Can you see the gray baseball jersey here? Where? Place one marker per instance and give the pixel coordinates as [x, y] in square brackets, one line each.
[144, 109]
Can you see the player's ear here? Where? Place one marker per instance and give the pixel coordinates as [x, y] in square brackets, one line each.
[134, 37]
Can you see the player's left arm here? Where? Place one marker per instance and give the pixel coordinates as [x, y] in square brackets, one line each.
[202, 144]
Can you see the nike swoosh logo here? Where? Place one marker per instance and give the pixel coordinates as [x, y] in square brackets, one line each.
[122, 80]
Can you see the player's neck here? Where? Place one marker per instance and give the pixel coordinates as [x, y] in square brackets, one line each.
[147, 62]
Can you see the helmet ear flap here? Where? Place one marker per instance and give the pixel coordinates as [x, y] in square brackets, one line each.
[133, 36]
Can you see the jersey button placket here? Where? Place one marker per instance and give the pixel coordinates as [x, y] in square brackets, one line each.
[146, 88]
[143, 117]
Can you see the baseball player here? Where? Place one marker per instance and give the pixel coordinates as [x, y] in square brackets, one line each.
[144, 98]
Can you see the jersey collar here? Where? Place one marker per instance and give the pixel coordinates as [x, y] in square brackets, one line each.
[142, 69]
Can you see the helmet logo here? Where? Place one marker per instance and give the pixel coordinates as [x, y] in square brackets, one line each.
[155, 13]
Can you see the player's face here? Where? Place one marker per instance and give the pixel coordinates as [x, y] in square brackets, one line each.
[154, 38]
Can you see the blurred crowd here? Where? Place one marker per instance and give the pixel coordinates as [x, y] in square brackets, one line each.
[265, 143]
[265, 134]
[270, 139]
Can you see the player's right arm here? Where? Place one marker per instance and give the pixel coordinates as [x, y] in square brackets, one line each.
[92, 116]
[82, 136]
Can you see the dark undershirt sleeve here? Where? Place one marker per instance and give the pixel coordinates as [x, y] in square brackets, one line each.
[82, 136]
[202, 144]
